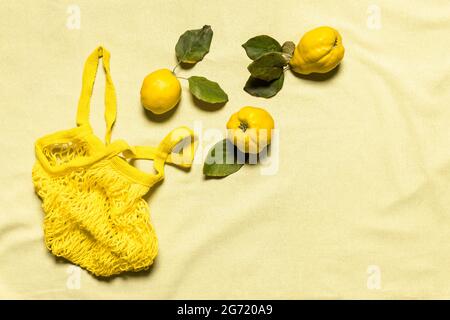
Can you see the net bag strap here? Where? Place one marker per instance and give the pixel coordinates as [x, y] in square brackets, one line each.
[177, 148]
[89, 74]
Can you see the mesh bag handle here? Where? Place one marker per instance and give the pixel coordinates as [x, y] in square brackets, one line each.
[89, 74]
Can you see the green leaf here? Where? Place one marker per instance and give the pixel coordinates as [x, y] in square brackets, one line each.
[259, 45]
[223, 159]
[288, 48]
[264, 89]
[193, 45]
[207, 90]
[269, 66]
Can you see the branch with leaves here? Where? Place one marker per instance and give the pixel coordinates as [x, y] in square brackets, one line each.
[270, 60]
[191, 48]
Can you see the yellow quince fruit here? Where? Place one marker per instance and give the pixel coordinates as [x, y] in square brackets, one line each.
[319, 50]
[161, 91]
[250, 129]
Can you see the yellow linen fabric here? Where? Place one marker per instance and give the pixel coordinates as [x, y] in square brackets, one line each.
[359, 206]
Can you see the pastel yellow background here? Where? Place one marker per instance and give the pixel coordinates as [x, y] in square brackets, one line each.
[363, 187]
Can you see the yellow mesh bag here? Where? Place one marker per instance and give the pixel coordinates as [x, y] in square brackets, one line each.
[95, 216]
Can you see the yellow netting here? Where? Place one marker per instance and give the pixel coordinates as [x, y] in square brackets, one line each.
[95, 217]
